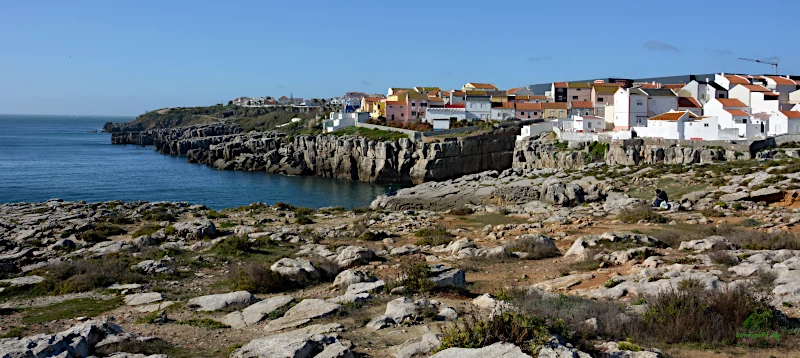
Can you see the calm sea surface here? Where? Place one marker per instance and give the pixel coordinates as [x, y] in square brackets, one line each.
[43, 157]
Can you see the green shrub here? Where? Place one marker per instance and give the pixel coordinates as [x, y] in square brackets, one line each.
[462, 211]
[232, 246]
[301, 219]
[100, 233]
[525, 331]
[372, 236]
[641, 213]
[148, 229]
[213, 214]
[170, 230]
[88, 275]
[415, 277]
[433, 236]
[207, 323]
[85, 307]
[627, 346]
[157, 215]
[535, 252]
[327, 268]
[226, 224]
[14, 332]
[256, 277]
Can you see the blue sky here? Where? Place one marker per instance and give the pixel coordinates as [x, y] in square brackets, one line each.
[124, 58]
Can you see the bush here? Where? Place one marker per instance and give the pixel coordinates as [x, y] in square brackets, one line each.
[535, 252]
[100, 233]
[232, 246]
[301, 219]
[372, 236]
[213, 214]
[433, 236]
[157, 215]
[641, 213]
[525, 331]
[711, 213]
[690, 314]
[415, 277]
[88, 275]
[462, 211]
[256, 277]
[14, 332]
[720, 257]
[148, 229]
[207, 323]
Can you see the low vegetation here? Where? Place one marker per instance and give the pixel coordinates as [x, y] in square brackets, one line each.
[525, 331]
[101, 232]
[86, 307]
[534, 251]
[371, 134]
[641, 213]
[433, 236]
[256, 277]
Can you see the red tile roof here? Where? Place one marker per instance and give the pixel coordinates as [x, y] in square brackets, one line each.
[396, 103]
[651, 86]
[554, 105]
[459, 93]
[782, 81]
[482, 85]
[505, 105]
[738, 112]
[537, 97]
[529, 106]
[688, 102]
[792, 114]
[582, 104]
[560, 84]
[515, 89]
[674, 86]
[731, 102]
[737, 80]
[756, 88]
[457, 105]
[669, 116]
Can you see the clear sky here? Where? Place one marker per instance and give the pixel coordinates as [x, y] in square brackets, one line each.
[127, 57]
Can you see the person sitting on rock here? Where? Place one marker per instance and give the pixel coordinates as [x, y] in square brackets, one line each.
[391, 191]
[661, 197]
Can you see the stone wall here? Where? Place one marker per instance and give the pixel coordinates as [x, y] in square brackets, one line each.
[352, 158]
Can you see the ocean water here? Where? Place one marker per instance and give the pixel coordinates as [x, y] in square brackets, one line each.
[44, 157]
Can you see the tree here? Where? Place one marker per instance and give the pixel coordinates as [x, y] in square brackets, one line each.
[230, 103]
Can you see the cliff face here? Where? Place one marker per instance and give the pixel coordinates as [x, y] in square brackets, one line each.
[536, 154]
[352, 158]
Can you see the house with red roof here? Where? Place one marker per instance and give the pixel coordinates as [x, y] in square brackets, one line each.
[784, 122]
[733, 113]
[690, 104]
[684, 125]
[757, 97]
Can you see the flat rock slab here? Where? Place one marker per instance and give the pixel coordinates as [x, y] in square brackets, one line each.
[155, 307]
[563, 283]
[220, 301]
[497, 350]
[256, 312]
[302, 313]
[303, 342]
[137, 299]
[364, 287]
[129, 286]
[23, 281]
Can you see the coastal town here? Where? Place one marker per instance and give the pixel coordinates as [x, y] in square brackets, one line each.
[719, 106]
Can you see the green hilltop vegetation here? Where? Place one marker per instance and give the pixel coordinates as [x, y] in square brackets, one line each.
[250, 118]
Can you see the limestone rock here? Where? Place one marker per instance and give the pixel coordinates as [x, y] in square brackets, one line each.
[302, 313]
[220, 301]
[296, 269]
[137, 299]
[301, 343]
[497, 350]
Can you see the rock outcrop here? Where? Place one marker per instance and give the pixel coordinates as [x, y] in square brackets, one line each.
[353, 158]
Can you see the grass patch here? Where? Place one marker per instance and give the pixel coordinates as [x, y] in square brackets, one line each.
[14, 332]
[493, 219]
[88, 275]
[524, 331]
[371, 134]
[256, 277]
[227, 224]
[150, 347]
[582, 265]
[206, 323]
[157, 214]
[676, 189]
[415, 277]
[69, 309]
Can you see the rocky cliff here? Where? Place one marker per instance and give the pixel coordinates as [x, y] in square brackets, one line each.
[537, 152]
[225, 147]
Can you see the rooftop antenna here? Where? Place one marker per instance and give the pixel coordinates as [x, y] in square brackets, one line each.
[766, 62]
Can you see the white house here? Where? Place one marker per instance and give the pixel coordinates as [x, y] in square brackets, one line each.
[502, 111]
[630, 109]
[704, 91]
[757, 97]
[660, 101]
[784, 87]
[683, 125]
[536, 128]
[587, 124]
[457, 114]
[339, 120]
[479, 107]
[733, 113]
[784, 122]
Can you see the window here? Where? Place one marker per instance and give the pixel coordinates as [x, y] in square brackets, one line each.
[574, 97]
[599, 99]
[721, 95]
[483, 105]
[589, 125]
[705, 124]
[413, 113]
[638, 102]
[522, 113]
[391, 107]
[535, 113]
[551, 112]
[402, 114]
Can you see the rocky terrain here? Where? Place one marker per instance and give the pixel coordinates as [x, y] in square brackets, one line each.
[519, 263]
[224, 146]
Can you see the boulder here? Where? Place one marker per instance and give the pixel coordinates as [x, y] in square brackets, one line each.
[444, 276]
[195, 230]
[257, 312]
[717, 242]
[220, 301]
[381, 322]
[78, 341]
[354, 255]
[497, 350]
[349, 277]
[295, 269]
[302, 313]
[305, 342]
[137, 299]
[417, 347]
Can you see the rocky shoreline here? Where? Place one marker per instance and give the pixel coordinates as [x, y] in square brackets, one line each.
[404, 161]
[141, 279]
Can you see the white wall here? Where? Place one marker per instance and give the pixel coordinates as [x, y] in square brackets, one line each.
[639, 110]
[705, 129]
[445, 113]
[502, 113]
[662, 129]
[794, 97]
[535, 128]
[741, 93]
[479, 109]
[609, 115]
[440, 124]
[621, 110]
[722, 81]
[758, 104]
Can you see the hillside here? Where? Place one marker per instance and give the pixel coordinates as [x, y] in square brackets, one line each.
[249, 118]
